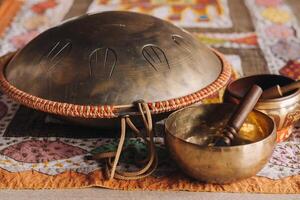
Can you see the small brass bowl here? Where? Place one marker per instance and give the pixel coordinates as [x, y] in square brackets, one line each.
[285, 110]
[218, 164]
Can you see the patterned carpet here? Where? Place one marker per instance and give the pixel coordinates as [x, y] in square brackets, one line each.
[262, 37]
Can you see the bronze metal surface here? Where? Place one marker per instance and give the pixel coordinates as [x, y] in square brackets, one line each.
[277, 91]
[239, 116]
[219, 164]
[113, 58]
[284, 110]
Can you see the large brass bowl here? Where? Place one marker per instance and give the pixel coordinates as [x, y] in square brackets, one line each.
[285, 110]
[219, 164]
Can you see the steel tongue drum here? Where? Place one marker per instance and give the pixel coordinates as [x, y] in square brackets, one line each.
[112, 68]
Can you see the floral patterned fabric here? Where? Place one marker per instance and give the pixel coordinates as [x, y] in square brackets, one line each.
[34, 17]
[232, 40]
[286, 50]
[186, 13]
[36, 151]
[268, 3]
[277, 30]
[276, 15]
[291, 69]
[50, 157]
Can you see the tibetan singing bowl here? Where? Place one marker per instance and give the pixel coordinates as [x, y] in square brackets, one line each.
[285, 110]
[93, 68]
[188, 130]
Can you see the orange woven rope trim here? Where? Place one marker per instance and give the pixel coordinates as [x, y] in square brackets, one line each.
[108, 111]
[65, 109]
[8, 10]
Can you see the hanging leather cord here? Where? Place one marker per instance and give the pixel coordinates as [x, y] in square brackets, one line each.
[150, 162]
[119, 149]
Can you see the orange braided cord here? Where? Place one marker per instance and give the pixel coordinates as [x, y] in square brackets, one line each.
[109, 111]
[65, 109]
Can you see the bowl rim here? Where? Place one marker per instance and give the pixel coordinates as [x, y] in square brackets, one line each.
[111, 111]
[272, 135]
[279, 99]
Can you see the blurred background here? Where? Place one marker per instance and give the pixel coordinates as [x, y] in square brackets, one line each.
[258, 36]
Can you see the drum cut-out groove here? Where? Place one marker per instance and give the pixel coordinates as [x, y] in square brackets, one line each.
[181, 42]
[54, 56]
[57, 53]
[155, 56]
[94, 60]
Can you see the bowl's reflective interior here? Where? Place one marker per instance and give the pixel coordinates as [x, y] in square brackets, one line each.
[239, 87]
[200, 124]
